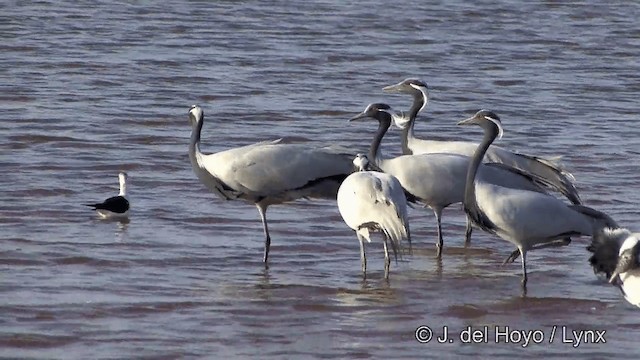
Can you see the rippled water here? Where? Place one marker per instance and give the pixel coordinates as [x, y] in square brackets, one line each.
[89, 89]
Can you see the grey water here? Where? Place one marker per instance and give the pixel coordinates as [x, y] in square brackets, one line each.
[91, 88]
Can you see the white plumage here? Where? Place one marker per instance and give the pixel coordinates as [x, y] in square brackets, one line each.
[529, 220]
[616, 254]
[374, 201]
[268, 172]
[546, 171]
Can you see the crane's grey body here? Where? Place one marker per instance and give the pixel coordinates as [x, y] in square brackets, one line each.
[616, 254]
[437, 180]
[268, 172]
[527, 219]
[250, 172]
[548, 172]
[374, 201]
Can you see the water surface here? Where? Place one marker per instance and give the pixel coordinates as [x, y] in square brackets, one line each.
[89, 89]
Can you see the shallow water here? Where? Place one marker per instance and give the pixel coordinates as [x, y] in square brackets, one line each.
[90, 89]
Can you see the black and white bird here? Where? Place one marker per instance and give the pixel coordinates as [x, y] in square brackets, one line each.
[616, 254]
[553, 176]
[436, 180]
[269, 172]
[374, 201]
[115, 207]
[527, 219]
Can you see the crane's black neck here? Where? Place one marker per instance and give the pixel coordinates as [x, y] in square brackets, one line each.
[407, 132]
[384, 122]
[470, 203]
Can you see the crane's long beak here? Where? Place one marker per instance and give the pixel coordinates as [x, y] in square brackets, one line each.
[614, 277]
[624, 264]
[469, 121]
[394, 89]
[360, 116]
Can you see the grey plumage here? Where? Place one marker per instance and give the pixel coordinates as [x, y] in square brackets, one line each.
[268, 172]
[529, 220]
[547, 172]
[436, 180]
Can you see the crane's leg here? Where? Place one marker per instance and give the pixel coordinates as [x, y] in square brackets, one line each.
[363, 256]
[387, 259]
[467, 233]
[555, 243]
[558, 243]
[512, 257]
[523, 255]
[439, 244]
[262, 209]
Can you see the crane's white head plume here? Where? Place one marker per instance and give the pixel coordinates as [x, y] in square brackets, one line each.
[627, 257]
[484, 119]
[195, 115]
[361, 162]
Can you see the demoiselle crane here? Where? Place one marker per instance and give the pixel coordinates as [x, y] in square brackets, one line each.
[529, 220]
[436, 180]
[616, 254]
[115, 207]
[545, 170]
[269, 172]
[373, 201]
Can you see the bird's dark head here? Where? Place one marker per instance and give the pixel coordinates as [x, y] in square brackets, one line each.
[487, 120]
[195, 115]
[627, 258]
[379, 111]
[411, 86]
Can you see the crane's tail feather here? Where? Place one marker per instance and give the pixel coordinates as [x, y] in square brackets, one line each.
[396, 232]
[601, 220]
[555, 161]
[394, 244]
[605, 246]
[545, 171]
[409, 237]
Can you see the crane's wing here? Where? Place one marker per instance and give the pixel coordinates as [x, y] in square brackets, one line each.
[431, 178]
[269, 168]
[548, 172]
[521, 214]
